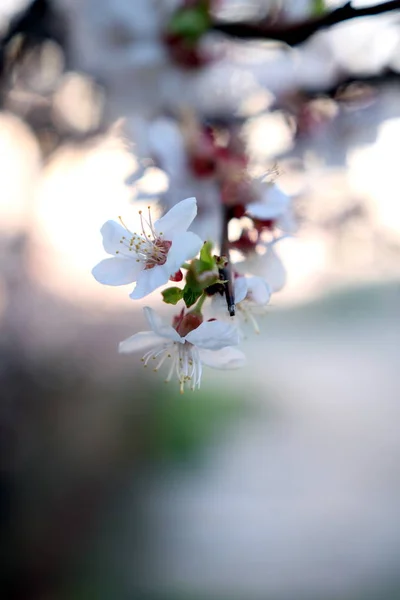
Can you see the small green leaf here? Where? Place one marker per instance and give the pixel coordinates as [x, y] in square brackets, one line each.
[190, 295]
[318, 8]
[172, 295]
[190, 23]
[205, 254]
[207, 262]
[192, 290]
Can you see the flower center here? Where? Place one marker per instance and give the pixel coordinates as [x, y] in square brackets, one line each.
[158, 256]
[184, 361]
[149, 246]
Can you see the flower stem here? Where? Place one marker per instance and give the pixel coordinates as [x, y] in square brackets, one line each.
[199, 304]
[185, 266]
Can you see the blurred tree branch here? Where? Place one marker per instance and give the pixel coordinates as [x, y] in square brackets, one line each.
[372, 81]
[297, 33]
[34, 24]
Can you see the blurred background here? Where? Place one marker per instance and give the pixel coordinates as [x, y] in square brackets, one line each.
[281, 480]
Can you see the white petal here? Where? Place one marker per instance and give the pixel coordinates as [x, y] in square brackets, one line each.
[214, 335]
[178, 219]
[240, 289]
[147, 54]
[273, 270]
[117, 271]
[113, 233]
[149, 280]
[273, 204]
[259, 290]
[185, 246]
[225, 358]
[287, 222]
[140, 341]
[269, 266]
[168, 147]
[159, 328]
[217, 306]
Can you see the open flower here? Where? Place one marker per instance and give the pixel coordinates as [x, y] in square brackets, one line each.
[187, 346]
[252, 295]
[151, 257]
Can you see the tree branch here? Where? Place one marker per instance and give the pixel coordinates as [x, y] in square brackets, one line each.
[226, 272]
[386, 76]
[296, 33]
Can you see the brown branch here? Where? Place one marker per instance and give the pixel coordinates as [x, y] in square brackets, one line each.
[386, 76]
[296, 33]
[225, 273]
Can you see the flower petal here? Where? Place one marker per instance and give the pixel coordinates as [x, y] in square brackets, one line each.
[225, 358]
[149, 280]
[167, 145]
[113, 233]
[140, 341]
[184, 247]
[259, 290]
[159, 327]
[240, 289]
[116, 271]
[287, 222]
[214, 335]
[273, 204]
[178, 219]
[269, 266]
[273, 270]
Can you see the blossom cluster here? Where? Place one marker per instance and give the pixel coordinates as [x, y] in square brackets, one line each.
[221, 281]
[219, 298]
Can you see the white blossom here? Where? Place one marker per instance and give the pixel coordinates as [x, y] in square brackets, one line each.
[269, 266]
[273, 205]
[149, 259]
[206, 343]
[252, 295]
[163, 140]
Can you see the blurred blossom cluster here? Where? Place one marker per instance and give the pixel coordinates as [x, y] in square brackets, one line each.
[201, 158]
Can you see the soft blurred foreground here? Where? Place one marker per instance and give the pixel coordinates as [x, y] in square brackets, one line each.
[280, 481]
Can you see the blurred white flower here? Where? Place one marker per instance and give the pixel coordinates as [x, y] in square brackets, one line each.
[268, 266]
[252, 295]
[162, 139]
[124, 44]
[273, 207]
[187, 346]
[152, 258]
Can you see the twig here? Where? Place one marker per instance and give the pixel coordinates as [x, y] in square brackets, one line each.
[225, 273]
[296, 33]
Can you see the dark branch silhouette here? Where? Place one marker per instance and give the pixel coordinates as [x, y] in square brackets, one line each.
[376, 80]
[296, 33]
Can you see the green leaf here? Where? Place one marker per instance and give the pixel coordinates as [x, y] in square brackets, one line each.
[191, 295]
[202, 273]
[207, 261]
[190, 23]
[318, 8]
[172, 295]
[192, 290]
[205, 254]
